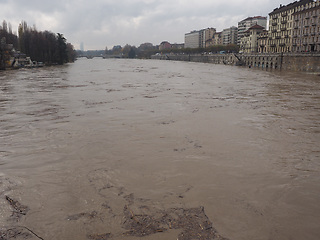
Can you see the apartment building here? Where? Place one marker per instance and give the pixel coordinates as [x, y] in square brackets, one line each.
[263, 42]
[249, 42]
[205, 36]
[247, 23]
[199, 39]
[192, 39]
[217, 38]
[230, 35]
[306, 28]
[281, 26]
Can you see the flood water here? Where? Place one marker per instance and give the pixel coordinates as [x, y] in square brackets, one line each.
[82, 142]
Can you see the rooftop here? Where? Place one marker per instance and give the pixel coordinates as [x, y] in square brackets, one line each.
[255, 17]
[283, 8]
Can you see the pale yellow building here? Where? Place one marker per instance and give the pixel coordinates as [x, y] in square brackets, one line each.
[281, 25]
[205, 36]
[249, 41]
[217, 38]
[263, 42]
[306, 28]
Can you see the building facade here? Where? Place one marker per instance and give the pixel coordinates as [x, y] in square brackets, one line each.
[217, 38]
[281, 26]
[306, 28]
[249, 42]
[263, 42]
[199, 39]
[192, 39]
[230, 36]
[205, 36]
[177, 45]
[165, 45]
[247, 23]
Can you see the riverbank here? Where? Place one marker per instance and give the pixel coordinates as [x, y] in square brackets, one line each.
[302, 62]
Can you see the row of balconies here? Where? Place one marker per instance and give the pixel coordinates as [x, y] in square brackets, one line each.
[305, 34]
[282, 22]
[311, 34]
[305, 27]
[284, 28]
[283, 14]
[278, 36]
[313, 23]
[275, 45]
[283, 40]
[306, 41]
[311, 31]
[309, 40]
[297, 18]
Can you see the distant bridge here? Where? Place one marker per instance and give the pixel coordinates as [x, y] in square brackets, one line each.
[100, 56]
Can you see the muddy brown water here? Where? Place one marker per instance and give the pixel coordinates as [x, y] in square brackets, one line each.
[89, 148]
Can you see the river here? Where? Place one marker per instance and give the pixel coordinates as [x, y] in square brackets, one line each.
[98, 148]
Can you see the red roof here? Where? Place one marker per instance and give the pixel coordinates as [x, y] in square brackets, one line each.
[256, 27]
[255, 17]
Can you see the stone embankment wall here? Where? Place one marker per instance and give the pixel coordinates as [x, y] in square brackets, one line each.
[306, 62]
[228, 59]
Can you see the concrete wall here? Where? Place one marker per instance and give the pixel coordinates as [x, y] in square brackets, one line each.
[305, 62]
[228, 59]
[264, 61]
[301, 62]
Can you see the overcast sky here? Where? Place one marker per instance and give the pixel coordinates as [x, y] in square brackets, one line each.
[101, 23]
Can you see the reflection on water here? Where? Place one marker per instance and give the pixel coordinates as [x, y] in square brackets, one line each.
[85, 145]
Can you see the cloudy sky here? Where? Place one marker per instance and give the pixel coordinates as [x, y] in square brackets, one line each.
[105, 23]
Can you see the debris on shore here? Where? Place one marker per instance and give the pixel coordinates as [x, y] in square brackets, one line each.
[18, 208]
[193, 223]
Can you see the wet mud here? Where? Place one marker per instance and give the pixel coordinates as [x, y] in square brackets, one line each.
[140, 218]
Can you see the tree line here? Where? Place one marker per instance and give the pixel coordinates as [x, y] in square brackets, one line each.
[40, 46]
[146, 50]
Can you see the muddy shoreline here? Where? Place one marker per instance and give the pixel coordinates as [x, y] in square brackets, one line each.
[191, 223]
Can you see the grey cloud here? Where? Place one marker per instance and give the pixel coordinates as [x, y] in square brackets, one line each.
[38, 5]
[100, 23]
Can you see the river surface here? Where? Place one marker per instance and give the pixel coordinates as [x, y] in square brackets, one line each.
[82, 143]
